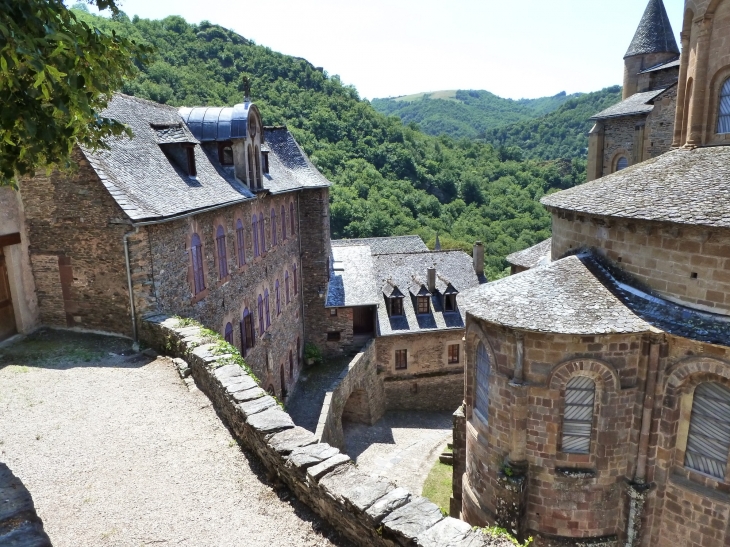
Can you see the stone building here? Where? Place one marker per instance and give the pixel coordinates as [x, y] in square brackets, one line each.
[641, 126]
[397, 291]
[597, 400]
[204, 213]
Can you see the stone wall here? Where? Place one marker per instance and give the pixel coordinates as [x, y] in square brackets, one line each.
[357, 395]
[459, 462]
[686, 263]
[366, 510]
[224, 299]
[75, 231]
[660, 125]
[429, 382]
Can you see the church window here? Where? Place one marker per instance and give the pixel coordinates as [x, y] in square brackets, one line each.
[220, 241]
[708, 441]
[723, 120]
[196, 252]
[580, 396]
[229, 333]
[484, 370]
[622, 163]
[240, 243]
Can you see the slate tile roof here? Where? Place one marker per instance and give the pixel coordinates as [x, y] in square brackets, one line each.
[532, 256]
[563, 297]
[150, 185]
[655, 34]
[638, 103]
[386, 245]
[352, 282]
[664, 66]
[680, 186]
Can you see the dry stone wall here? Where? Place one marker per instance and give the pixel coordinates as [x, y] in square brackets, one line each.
[367, 510]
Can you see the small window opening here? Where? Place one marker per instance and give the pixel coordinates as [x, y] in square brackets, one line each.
[423, 305]
[396, 306]
[225, 154]
[401, 359]
[190, 151]
[333, 336]
[622, 163]
[229, 333]
[333, 312]
[450, 302]
[265, 161]
[454, 354]
[693, 275]
[220, 241]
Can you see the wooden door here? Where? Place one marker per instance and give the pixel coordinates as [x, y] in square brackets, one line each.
[363, 321]
[7, 314]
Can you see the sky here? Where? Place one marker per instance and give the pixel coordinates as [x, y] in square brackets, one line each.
[388, 48]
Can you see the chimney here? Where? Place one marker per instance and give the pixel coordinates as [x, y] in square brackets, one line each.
[431, 280]
[478, 255]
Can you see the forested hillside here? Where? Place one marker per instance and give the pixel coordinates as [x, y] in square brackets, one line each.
[466, 114]
[390, 178]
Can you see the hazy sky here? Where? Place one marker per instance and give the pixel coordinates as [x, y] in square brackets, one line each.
[527, 48]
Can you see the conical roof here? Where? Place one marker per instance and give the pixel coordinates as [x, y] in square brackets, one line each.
[655, 34]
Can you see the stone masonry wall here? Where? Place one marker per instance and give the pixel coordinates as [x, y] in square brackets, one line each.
[77, 254]
[660, 125]
[224, 300]
[687, 263]
[429, 382]
[366, 510]
[357, 392]
[618, 140]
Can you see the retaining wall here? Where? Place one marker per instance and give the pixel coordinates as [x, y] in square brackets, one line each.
[367, 510]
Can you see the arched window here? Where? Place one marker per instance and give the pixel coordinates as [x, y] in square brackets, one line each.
[723, 119]
[262, 325]
[484, 370]
[580, 396]
[274, 239]
[283, 223]
[240, 243]
[229, 333]
[299, 351]
[255, 231]
[220, 242]
[286, 286]
[262, 234]
[708, 441]
[247, 331]
[266, 306]
[278, 299]
[294, 279]
[622, 163]
[291, 217]
[257, 156]
[291, 365]
[251, 179]
[225, 154]
[196, 253]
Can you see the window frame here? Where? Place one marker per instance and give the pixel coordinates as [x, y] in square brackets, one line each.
[286, 286]
[228, 333]
[262, 325]
[482, 374]
[262, 235]
[401, 359]
[248, 332]
[283, 223]
[618, 163]
[723, 119]
[220, 244]
[294, 279]
[255, 230]
[716, 424]
[251, 177]
[278, 298]
[196, 253]
[267, 309]
[454, 354]
[396, 306]
[274, 235]
[420, 301]
[222, 155]
[291, 218]
[240, 243]
[571, 409]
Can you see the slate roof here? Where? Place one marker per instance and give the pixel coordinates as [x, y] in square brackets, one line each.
[680, 186]
[655, 34]
[386, 245]
[150, 185]
[563, 297]
[638, 103]
[664, 66]
[532, 256]
[409, 269]
[352, 282]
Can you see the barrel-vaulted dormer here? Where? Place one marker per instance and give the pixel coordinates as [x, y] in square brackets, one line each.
[239, 134]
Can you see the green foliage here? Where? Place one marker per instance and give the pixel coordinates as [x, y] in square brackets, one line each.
[390, 178]
[497, 532]
[312, 352]
[56, 74]
[466, 114]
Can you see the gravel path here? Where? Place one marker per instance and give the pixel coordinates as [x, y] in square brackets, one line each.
[117, 451]
[402, 446]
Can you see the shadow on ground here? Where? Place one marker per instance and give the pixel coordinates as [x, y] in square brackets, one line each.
[20, 525]
[63, 350]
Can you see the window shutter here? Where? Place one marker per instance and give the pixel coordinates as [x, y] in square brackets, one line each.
[482, 381]
[580, 396]
[708, 442]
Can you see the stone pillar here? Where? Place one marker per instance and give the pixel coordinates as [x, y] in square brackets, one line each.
[459, 451]
[595, 151]
[696, 114]
[679, 117]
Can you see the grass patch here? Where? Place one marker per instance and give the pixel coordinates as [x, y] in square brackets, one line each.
[437, 487]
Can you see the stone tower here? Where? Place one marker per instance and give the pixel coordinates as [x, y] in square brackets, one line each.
[652, 45]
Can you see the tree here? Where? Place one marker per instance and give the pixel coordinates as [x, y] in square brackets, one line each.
[56, 75]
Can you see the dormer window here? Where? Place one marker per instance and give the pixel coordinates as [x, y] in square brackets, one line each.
[396, 306]
[423, 305]
[225, 153]
[265, 161]
[190, 151]
[450, 302]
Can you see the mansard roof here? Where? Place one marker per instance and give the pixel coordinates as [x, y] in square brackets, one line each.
[680, 186]
[655, 34]
[149, 186]
[532, 256]
[638, 103]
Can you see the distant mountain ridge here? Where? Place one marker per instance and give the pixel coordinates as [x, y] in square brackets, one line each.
[466, 113]
[544, 128]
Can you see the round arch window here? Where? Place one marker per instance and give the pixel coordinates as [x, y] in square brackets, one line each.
[622, 163]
